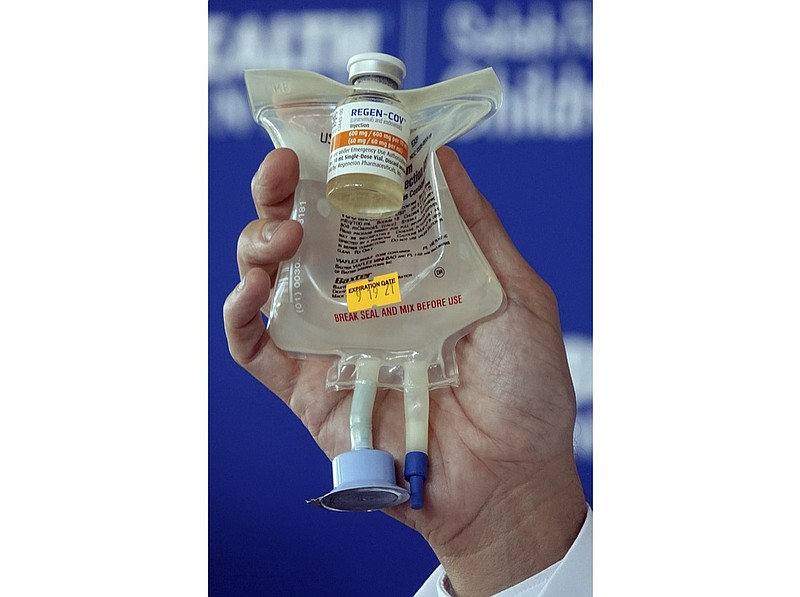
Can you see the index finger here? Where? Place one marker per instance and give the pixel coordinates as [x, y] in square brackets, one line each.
[274, 182]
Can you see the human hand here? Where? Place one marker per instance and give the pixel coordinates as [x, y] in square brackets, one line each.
[503, 496]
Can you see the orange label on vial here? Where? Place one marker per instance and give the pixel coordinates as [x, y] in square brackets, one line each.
[372, 138]
[378, 292]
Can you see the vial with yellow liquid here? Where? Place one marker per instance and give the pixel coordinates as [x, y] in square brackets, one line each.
[369, 140]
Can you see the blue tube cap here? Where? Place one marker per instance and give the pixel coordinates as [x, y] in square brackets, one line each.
[415, 472]
[363, 480]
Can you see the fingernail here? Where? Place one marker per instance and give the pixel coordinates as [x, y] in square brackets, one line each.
[241, 283]
[269, 229]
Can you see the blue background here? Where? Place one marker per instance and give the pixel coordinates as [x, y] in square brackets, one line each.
[533, 161]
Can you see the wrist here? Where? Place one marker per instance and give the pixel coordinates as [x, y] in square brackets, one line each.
[518, 533]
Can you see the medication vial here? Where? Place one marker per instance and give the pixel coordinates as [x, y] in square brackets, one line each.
[369, 140]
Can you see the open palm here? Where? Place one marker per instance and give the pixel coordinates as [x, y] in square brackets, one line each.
[499, 443]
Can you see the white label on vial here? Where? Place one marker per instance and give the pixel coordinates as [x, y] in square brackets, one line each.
[369, 137]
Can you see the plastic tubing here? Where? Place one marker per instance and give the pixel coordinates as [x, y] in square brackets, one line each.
[366, 386]
[416, 402]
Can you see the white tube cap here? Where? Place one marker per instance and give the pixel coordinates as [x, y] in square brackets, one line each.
[363, 480]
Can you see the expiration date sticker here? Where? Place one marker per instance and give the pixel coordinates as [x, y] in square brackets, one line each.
[380, 291]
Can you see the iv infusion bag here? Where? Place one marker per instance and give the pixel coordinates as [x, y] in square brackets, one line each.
[388, 297]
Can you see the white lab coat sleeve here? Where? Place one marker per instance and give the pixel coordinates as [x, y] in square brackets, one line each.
[569, 577]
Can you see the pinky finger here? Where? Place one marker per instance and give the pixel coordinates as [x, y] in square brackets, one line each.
[248, 339]
[244, 326]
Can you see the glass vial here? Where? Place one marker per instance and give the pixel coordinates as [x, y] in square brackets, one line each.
[370, 132]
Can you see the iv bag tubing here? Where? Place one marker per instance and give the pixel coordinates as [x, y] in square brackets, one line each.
[416, 401]
[366, 386]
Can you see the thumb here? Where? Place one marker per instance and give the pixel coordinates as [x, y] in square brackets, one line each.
[511, 268]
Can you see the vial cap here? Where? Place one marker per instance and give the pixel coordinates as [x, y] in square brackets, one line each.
[375, 63]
